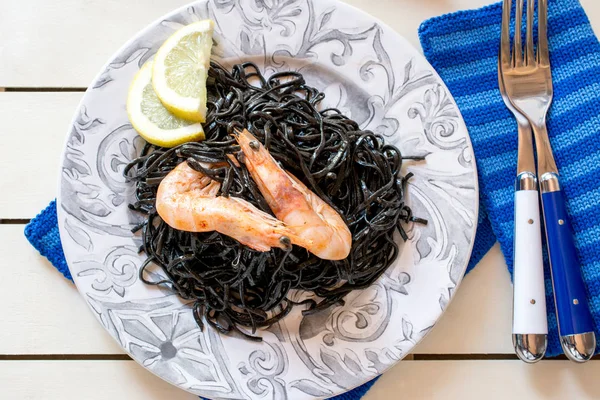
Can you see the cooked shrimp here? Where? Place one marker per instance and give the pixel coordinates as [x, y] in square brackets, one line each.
[187, 200]
[316, 226]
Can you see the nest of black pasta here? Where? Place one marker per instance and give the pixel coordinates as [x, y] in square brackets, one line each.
[233, 287]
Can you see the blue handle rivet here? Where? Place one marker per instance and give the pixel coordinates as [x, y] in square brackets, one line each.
[530, 221]
[561, 222]
[532, 301]
[575, 301]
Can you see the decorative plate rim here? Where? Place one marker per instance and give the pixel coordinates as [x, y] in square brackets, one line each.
[403, 43]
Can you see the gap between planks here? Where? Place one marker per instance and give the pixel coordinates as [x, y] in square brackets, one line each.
[410, 357]
[483, 357]
[42, 89]
[65, 357]
[14, 221]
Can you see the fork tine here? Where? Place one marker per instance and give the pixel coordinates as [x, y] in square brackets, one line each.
[517, 46]
[505, 35]
[529, 53]
[543, 56]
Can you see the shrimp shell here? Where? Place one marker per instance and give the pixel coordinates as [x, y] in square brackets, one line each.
[315, 225]
[187, 200]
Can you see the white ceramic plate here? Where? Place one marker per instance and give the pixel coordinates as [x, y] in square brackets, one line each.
[377, 78]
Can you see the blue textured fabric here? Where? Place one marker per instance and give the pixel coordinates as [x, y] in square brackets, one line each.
[484, 238]
[42, 233]
[463, 48]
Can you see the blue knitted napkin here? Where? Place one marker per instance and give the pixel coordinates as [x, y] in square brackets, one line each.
[463, 48]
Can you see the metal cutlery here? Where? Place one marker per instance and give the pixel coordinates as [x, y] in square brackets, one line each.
[530, 326]
[528, 83]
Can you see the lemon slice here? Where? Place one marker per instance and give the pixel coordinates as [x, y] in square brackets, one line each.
[181, 68]
[152, 120]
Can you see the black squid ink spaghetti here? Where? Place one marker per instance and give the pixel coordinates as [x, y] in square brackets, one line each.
[231, 286]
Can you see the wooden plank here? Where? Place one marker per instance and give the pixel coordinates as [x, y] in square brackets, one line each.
[90, 380]
[66, 42]
[489, 379]
[34, 127]
[42, 312]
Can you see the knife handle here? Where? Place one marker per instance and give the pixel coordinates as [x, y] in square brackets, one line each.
[530, 326]
[575, 323]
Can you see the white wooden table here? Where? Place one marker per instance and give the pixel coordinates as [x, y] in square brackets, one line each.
[51, 346]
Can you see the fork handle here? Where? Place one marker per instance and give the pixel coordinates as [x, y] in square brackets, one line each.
[530, 325]
[576, 326]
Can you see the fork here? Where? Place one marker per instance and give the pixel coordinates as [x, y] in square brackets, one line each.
[530, 325]
[528, 82]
